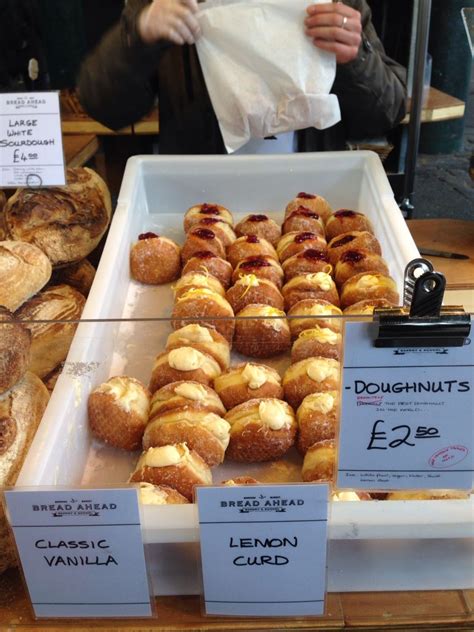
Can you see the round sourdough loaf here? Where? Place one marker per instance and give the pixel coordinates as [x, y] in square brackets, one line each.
[80, 275]
[3, 200]
[15, 340]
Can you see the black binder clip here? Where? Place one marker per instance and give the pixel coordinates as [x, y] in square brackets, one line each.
[422, 321]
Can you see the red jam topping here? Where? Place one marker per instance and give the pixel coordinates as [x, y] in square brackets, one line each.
[344, 240]
[253, 239]
[302, 211]
[352, 256]
[144, 236]
[345, 213]
[204, 254]
[314, 255]
[257, 218]
[301, 237]
[210, 209]
[210, 221]
[306, 196]
[254, 262]
[204, 233]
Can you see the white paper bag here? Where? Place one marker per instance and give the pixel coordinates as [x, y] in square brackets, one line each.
[263, 74]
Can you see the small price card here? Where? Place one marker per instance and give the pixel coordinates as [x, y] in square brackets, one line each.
[263, 549]
[406, 415]
[31, 150]
[81, 552]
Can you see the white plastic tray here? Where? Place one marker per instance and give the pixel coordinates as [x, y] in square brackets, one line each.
[155, 193]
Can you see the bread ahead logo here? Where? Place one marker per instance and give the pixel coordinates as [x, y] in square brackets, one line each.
[262, 503]
[75, 507]
[31, 102]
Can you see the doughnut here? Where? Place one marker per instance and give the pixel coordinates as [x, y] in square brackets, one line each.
[206, 308]
[261, 430]
[311, 375]
[349, 496]
[154, 260]
[173, 465]
[320, 462]
[368, 285]
[200, 211]
[299, 316]
[264, 267]
[292, 243]
[247, 381]
[203, 339]
[317, 416]
[185, 363]
[303, 220]
[312, 285]
[261, 331]
[197, 280]
[306, 262]
[314, 203]
[345, 221]
[118, 412]
[250, 289]
[185, 393]
[352, 262]
[160, 495]
[222, 229]
[260, 225]
[250, 246]
[240, 480]
[206, 262]
[428, 494]
[317, 341]
[354, 240]
[205, 433]
[366, 308]
[199, 239]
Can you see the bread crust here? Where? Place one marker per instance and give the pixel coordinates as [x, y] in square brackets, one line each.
[78, 275]
[15, 342]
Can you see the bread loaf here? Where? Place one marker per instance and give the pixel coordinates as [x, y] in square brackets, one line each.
[15, 340]
[24, 270]
[3, 200]
[66, 222]
[79, 275]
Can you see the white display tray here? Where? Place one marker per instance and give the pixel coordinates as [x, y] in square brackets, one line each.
[370, 541]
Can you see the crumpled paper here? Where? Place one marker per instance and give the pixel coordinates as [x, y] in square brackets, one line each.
[263, 74]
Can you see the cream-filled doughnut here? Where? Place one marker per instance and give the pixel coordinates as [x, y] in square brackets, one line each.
[205, 339]
[185, 393]
[261, 331]
[320, 462]
[366, 308]
[367, 286]
[317, 341]
[311, 375]
[313, 285]
[184, 363]
[193, 280]
[312, 313]
[250, 289]
[317, 416]
[160, 495]
[204, 307]
[245, 381]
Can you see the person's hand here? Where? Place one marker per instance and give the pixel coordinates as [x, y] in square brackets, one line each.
[335, 27]
[172, 20]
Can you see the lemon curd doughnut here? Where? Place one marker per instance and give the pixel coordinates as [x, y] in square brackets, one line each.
[250, 289]
[345, 221]
[118, 412]
[318, 341]
[200, 211]
[312, 285]
[368, 285]
[197, 280]
[320, 462]
[173, 465]
[306, 262]
[312, 375]
[203, 339]
[206, 262]
[260, 225]
[185, 363]
[354, 240]
[205, 433]
[154, 260]
[183, 394]
[311, 313]
[317, 416]
[198, 239]
[261, 430]
[314, 203]
[250, 246]
[303, 220]
[263, 267]
[222, 229]
[160, 495]
[204, 307]
[366, 308]
[261, 331]
[293, 243]
[352, 262]
[247, 381]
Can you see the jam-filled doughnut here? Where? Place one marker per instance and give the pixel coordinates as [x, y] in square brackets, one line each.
[312, 313]
[222, 229]
[118, 412]
[320, 462]
[246, 381]
[312, 375]
[355, 240]
[206, 262]
[160, 495]
[318, 341]
[182, 394]
[154, 260]
[366, 308]
[185, 363]
[250, 289]
[264, 267]
[317, 416]
[199, 239]
[207, 308]
[293, 243]
[192, 280]
[302, 220]
[173, 465]
[260, 225]
[306, 286]
[261, 430]
[261, 331]
[250, 246]
[205, 339]
[368, 285]
[201, 211]
[314, 203]
[306, 262]
[352, 262]
[345, 221]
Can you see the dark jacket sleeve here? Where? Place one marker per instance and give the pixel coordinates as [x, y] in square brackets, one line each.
[371, 88]
[115, 80]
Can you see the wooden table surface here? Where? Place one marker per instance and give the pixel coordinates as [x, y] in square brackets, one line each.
[79, 148]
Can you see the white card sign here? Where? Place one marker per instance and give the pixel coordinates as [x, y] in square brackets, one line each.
[407, 415]
[81, 552]
[263, 549]
[31, 150]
